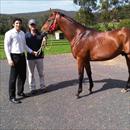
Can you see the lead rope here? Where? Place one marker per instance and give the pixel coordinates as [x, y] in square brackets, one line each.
[43, 45]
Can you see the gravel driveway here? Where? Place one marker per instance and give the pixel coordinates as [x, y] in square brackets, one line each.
[58, 109]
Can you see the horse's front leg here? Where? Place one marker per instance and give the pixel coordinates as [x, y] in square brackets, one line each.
[128, 82]
[81, 74]
[89, 73]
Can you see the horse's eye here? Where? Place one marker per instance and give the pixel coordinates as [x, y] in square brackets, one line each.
[49, 20]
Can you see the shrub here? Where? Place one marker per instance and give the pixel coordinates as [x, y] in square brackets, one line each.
[124, 23]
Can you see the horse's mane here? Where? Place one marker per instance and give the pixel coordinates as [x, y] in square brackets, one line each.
[74, 21]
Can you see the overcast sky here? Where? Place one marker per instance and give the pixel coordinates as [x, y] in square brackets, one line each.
[24, 6]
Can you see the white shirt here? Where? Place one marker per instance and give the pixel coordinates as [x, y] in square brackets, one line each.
[15, 42]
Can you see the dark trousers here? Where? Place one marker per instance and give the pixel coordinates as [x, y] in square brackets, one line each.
[17, 73]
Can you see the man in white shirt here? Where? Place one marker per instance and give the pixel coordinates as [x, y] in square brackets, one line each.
[15, 46]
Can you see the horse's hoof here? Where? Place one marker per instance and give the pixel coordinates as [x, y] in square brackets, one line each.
[90, 92]
[77, 95]
[124, 90]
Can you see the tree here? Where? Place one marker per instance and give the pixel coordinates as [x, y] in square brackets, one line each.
[109, 8]
[86, 4]
[5, 23]
[85, 15]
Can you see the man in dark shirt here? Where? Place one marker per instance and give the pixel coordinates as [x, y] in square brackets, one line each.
[34, 41]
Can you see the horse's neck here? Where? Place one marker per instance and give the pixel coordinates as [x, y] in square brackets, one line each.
[70, 28]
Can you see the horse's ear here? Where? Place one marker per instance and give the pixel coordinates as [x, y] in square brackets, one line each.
[50, 10]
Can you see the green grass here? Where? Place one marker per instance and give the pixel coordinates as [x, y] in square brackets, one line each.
[53, 46]
[57, 47]
[2, 53]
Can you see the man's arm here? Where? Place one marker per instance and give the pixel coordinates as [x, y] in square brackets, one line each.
[7, 47]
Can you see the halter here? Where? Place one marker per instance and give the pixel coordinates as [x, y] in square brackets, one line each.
[52, 25]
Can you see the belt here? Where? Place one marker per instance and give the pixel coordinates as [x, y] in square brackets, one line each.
[18, 54]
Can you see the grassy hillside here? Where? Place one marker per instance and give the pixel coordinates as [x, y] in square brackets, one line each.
[41, 17]
[43, 13]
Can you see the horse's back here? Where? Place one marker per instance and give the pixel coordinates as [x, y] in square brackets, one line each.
[119, 37]
[109, 44]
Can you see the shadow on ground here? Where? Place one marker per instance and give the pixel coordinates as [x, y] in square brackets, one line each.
[109, 84]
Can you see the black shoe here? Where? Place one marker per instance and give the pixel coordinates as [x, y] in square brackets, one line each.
[22, 95]
[43, 90]
[33, 92]
[15, 101]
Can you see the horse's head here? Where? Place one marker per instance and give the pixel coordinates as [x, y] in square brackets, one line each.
[51, 24]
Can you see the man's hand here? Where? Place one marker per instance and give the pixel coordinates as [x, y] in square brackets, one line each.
[34, 53]
[44, 39]
[10, 62]
[44, 34]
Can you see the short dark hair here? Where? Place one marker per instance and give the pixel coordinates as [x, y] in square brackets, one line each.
[17, 19]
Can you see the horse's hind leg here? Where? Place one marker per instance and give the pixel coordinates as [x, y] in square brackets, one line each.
[81, 74]
[128, 82]
[89, 73]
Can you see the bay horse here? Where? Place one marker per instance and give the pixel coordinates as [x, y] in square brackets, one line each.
[88, 44]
